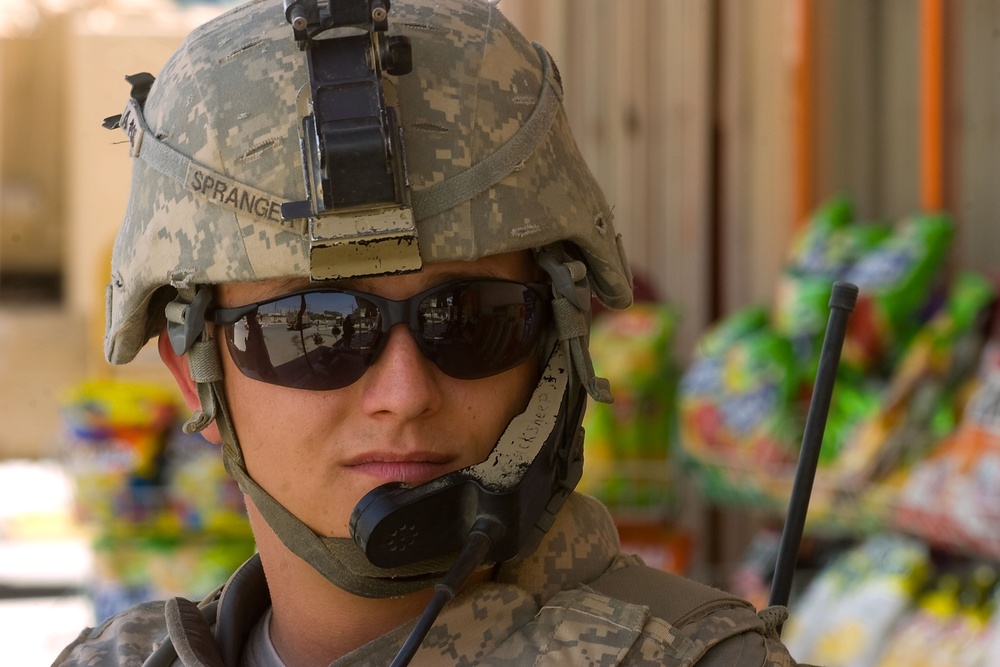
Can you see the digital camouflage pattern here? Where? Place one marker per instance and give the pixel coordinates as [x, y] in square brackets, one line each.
[226, 101]
[538, 611]
[216, 151]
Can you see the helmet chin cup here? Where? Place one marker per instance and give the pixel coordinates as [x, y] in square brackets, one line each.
[521, 485]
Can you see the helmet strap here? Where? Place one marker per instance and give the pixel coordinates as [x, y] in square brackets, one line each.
[206, 369]
[571, 310]
[339, 560]
[190, 336]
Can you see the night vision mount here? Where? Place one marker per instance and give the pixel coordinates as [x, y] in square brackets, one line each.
[357, 192]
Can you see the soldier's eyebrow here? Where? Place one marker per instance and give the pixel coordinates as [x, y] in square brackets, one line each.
[426, 280]
[284, 285]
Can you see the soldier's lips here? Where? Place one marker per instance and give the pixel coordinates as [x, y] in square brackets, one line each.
[413, 472]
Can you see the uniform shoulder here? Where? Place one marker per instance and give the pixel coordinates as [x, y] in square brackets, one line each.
[671, 597]
[124, 639]
[724, 638]
[692, 621]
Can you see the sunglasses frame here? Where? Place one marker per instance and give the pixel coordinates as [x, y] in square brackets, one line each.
[391, 312]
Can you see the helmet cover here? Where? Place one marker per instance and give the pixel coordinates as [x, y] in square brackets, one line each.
[226, 103]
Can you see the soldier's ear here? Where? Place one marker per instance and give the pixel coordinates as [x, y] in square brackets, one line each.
[178, 367]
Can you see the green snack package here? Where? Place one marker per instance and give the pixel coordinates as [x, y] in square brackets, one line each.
[800, 315]
[628, 442]
[827, 250]
[734, 400]
[922, 398]
[896, 281]
[731, 329]
[813, 250]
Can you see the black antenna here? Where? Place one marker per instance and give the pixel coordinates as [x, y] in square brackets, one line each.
[842, 300]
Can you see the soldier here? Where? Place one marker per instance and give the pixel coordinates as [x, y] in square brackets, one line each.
[410, 489]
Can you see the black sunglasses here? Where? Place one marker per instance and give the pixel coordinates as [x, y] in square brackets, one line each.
[325, 339]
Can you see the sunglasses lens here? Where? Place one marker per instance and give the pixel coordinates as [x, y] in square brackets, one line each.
[477, 329]
[318, 340]
[326, 340]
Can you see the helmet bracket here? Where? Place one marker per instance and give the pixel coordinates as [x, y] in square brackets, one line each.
[186, 321]
[357, 191]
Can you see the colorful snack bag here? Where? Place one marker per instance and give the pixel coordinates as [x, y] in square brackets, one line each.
[897, 282]
[802, 299]
[921, 401]
[628, 442]
[114, 447]
[735, 397]
[814, 251]
[845, 621]
[954, 495]
[200, 494]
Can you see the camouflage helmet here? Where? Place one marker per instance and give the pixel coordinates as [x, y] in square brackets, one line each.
[491, 161]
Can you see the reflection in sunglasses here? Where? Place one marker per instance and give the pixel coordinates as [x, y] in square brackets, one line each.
[326, 339]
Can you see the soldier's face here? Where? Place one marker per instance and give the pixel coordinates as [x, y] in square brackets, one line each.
[319, 452]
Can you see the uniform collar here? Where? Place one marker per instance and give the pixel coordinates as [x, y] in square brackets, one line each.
[578, 548]
[243, 600]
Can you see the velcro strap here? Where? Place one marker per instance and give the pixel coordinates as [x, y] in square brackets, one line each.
[174, 311]
[570, 321]
[774, 617]
[577, 270]
[204, 363]
[206, 370]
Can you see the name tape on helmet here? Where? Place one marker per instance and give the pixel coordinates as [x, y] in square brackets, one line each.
[235, 195]
[357, 243]
[205, 183]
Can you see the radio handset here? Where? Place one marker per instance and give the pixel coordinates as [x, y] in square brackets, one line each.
[521, 486]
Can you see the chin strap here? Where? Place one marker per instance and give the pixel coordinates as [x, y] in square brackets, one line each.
[340, 560]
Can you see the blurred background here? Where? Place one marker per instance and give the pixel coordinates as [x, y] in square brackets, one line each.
[754, 153]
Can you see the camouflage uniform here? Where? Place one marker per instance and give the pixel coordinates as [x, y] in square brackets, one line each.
[551, 607]
[492, 168]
